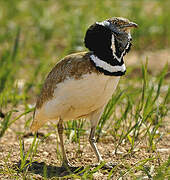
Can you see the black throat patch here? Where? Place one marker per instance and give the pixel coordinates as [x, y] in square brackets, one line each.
[99, 39]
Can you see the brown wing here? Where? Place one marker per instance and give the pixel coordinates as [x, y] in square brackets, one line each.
[72, 66]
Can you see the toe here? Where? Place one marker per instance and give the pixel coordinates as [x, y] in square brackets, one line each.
[66, 164]
[109, 165]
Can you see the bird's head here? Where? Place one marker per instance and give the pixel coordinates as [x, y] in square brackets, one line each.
[109, 37]
[120, 24]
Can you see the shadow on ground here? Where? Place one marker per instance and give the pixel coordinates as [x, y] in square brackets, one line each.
[50, 171]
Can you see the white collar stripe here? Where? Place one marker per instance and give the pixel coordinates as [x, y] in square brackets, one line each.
[107, 67]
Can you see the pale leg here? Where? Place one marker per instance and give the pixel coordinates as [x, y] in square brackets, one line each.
[60, 133]
[93, 144]
[94, 118]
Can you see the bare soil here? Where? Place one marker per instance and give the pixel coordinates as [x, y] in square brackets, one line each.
[80, 155]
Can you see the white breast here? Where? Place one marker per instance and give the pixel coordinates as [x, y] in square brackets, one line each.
[77, 98]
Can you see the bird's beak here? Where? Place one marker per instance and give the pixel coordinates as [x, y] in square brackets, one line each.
[129, 25]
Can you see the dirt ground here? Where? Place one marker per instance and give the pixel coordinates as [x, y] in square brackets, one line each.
[81, 154]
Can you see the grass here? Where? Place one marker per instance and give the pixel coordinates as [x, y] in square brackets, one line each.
[34, 36]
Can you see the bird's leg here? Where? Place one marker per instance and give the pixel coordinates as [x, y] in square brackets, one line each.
[94, 118]
[93, 144]
[60, 133]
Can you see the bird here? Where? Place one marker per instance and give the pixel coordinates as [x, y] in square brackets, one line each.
[81, 84]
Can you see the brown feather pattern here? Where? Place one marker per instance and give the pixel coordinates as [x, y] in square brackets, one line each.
[72, 66]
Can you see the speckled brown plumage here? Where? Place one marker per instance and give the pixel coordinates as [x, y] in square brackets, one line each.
[119, 20]
[72, 66]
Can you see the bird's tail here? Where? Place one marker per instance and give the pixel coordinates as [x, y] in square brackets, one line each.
[35, 126]
[38, 121]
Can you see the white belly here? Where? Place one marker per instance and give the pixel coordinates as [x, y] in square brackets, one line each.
[77, 98]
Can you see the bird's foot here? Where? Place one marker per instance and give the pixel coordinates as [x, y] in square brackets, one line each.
[109, 165]
[66, 164]
[106, 166]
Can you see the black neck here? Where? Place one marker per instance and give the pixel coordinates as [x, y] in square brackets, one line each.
[98, 39]
[107, 56]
